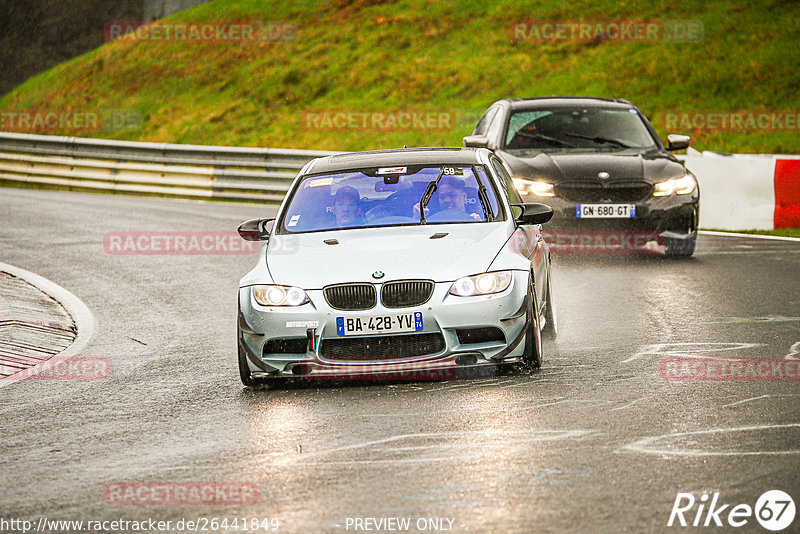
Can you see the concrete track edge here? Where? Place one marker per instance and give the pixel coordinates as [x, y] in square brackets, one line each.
[84, 320]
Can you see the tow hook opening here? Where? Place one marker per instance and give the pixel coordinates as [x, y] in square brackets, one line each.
[466, 359]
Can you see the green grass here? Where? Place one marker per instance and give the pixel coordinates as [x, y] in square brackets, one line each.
[782, 232]
[443, 57]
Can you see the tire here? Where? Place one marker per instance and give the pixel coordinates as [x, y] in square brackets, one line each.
[550, 330]
[680, 247]
[532, 355]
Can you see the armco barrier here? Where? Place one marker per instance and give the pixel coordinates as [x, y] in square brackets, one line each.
[743, 191]
[738, 192]
[186, 171]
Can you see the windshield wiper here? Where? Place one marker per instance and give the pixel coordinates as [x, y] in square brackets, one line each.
[544, 138]
[599, 139]
[430, 189]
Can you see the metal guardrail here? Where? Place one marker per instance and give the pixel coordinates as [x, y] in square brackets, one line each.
[160, 169]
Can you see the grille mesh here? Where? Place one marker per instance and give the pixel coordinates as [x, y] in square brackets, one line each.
[405, 293]
[382, 347]
[593, 192]
[351, 296]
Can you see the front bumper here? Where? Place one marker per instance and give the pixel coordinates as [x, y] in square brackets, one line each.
[657, 220]
[291, 341]
[675, 214]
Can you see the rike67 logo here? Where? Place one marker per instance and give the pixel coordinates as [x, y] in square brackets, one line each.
[774, 510]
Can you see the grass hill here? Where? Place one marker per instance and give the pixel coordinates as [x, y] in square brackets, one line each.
[445, 61]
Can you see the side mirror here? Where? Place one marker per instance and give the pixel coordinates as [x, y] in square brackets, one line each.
[255, 229]
[531, 213]
[476, 141]
[677, 142]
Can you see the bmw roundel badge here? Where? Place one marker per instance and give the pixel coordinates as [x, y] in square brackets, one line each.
[377, 275]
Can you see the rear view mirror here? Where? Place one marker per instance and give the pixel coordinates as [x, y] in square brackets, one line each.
[531, 213]
[476, 141]
[255, 229]
[677, 142]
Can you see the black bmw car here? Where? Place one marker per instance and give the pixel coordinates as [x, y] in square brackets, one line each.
[601, 166]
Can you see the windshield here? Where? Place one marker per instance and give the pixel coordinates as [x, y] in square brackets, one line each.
[577, 128]
[389, 197]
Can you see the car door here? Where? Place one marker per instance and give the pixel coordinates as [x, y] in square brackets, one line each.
[534, 246]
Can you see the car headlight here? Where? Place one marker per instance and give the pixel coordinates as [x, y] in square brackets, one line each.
[538, 188]
[274, 295]
[481, 284]
[681, 186]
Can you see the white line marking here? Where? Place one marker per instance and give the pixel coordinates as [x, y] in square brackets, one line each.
[752, 236]
[675, 349]
[627, 405]
[556, 401]
[767, 396]
[625, 379]
[746, 400]
[761, 251]
[643, 445]
[459, 442]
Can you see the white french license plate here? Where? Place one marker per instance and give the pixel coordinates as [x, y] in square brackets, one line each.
[605, 211]
[379, 324]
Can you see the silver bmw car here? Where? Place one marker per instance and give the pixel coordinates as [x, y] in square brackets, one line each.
[396, 264]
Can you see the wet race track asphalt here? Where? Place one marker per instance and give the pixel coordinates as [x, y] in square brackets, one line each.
[597, 441]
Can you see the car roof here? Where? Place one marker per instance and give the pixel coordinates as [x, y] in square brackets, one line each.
[566, 101]
[394, 158]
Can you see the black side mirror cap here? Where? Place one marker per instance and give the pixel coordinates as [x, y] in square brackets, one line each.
[532, 213]
[255, 229]
[677, 142]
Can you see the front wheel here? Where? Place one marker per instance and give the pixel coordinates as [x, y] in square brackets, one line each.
[532, 355]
